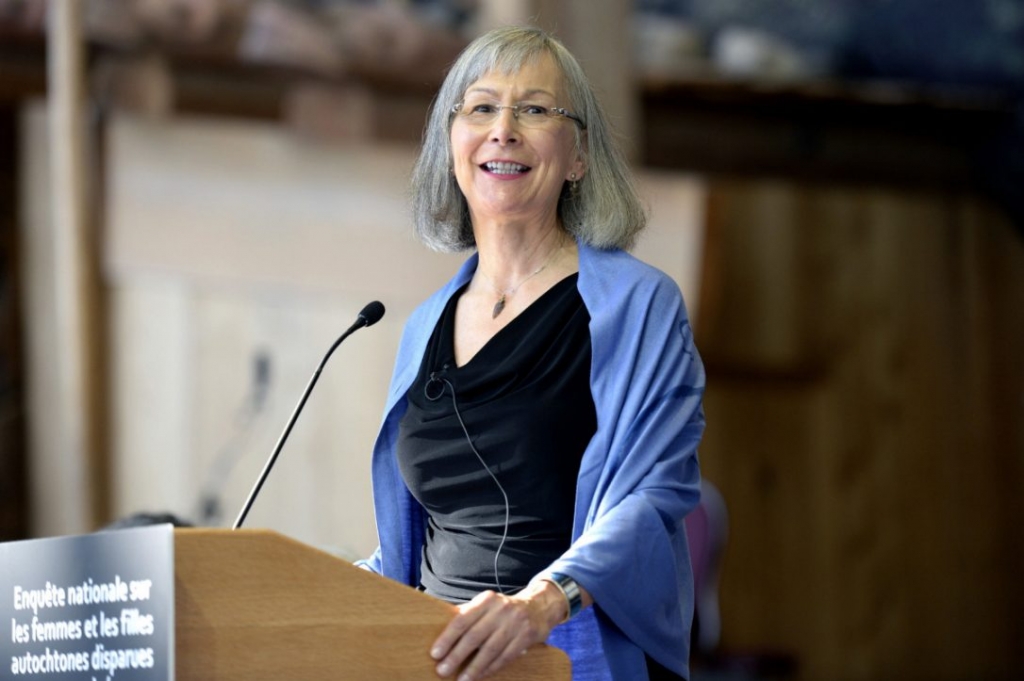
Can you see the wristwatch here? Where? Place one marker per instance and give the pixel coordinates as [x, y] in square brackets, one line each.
[570, 589]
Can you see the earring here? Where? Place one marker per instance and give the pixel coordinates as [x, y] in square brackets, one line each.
[574, 186]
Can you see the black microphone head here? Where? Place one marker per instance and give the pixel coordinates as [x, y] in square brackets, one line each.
[372, 313]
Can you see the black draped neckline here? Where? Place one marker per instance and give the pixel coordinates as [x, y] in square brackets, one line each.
[524, 399]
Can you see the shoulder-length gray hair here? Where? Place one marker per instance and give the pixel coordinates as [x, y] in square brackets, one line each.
[604, 212]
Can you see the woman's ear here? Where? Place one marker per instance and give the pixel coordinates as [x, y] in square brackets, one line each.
[579, 166]
[577, 170]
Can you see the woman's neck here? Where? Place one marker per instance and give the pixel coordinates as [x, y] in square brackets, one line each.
[510, 252]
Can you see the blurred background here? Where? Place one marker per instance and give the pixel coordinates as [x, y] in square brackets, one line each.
[197, 197]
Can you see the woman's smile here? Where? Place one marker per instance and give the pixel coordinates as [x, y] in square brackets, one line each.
[505, 168]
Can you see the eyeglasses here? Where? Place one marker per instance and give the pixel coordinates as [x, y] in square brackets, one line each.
[528, 115]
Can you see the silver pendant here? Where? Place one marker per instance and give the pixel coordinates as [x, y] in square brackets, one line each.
[498, 307]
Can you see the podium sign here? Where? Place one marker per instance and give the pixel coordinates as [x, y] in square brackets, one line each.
[94, 607]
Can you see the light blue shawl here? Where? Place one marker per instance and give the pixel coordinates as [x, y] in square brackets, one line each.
[638, 478]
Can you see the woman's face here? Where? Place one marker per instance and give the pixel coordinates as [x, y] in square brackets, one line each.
[507, 168]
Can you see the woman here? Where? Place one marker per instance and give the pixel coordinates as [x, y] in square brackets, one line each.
[538, 451]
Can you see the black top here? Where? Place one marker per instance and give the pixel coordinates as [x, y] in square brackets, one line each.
[525, 403]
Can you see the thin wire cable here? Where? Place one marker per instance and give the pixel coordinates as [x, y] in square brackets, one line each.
[458, 415]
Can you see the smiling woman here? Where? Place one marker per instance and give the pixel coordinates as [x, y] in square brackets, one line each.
[540, 437]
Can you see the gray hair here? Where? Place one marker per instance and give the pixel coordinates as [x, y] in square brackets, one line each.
[604, 212]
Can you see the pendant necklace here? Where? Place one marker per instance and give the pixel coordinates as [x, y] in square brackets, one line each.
[503, 295]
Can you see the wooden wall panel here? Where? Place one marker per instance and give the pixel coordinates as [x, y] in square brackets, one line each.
[51, 511]
[153, 467]
[858, 353]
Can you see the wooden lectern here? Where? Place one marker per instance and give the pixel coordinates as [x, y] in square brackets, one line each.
[253, 604]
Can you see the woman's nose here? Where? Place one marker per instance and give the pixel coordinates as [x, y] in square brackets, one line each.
[505, 128]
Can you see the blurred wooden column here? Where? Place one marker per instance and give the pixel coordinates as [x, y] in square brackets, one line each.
[599, 33]
[67, 479]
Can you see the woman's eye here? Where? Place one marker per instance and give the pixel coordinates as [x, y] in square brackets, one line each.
[534, 110]
[483, 108]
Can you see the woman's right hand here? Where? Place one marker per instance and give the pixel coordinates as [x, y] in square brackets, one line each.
[493, 629]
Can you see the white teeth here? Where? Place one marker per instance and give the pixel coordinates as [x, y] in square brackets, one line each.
[504, 168]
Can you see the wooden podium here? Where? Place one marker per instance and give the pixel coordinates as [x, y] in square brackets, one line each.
[253, 604]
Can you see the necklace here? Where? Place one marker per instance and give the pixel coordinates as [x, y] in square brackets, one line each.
[503, 294]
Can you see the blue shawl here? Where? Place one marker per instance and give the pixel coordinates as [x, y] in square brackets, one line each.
[638, 478]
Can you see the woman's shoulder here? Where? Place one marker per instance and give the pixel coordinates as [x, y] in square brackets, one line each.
[618, 272]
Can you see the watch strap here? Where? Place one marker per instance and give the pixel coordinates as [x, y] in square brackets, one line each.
[570, 589]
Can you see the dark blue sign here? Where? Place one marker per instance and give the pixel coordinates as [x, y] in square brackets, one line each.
[96, 607]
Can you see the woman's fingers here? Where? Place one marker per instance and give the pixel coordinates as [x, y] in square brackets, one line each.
[490, 631]
[507, 632]
[513, 651]
[465, 617]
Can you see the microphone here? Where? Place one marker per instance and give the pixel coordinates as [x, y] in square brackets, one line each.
[369, 316]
